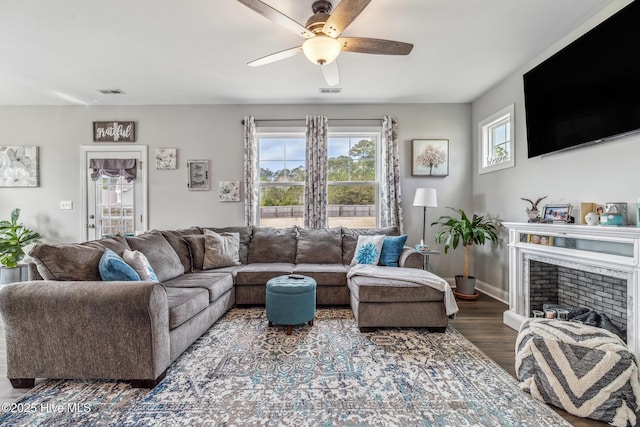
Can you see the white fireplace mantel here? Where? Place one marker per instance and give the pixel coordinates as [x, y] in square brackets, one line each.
[610, 251]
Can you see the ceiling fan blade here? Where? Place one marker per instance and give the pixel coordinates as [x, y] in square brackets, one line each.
[331, 73]
[278, 56]
[277, 17]
[343, 15]
[376, 46]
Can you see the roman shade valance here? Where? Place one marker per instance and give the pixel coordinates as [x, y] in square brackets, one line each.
[113, 167]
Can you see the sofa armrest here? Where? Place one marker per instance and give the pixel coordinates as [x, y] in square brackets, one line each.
[410, 258]
[86, 330]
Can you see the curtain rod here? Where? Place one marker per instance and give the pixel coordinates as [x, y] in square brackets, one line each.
[300, 120]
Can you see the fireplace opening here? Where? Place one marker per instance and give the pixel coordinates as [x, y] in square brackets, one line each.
[563, 286]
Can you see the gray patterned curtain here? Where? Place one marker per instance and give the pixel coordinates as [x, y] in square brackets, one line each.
[251, 175]
[390, 192]
[315, 192]
[113, 167]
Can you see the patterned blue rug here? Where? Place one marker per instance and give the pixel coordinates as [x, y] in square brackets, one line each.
[241, 372]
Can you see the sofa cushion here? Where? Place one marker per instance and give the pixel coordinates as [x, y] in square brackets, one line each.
[260, 273]
[112, 267]
[273, 245]
[161, 256]
[245, 237]
[184, 303]
[215, 283]
[220, 249]
[391, 250]
[195, 242]
[324, 274]
[175, 239]
[350, 239]
[373, 289]
[322, 246]
[368, 250]
[74, 261]
[140, 264]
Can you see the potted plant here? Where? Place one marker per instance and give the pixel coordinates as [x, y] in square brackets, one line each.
[467, 232]
[13, 238]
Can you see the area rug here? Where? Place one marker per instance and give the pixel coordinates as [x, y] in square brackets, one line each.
[244, 373]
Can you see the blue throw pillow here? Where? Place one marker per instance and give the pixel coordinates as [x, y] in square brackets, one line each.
[391, 250]
[112, 267]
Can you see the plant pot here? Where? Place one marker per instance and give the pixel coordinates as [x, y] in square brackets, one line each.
[13, 274]
[466, 286]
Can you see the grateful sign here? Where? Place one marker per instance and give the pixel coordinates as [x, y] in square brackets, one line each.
[114, 131]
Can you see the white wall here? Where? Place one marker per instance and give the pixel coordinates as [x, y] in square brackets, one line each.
[600, 173]
[213, 132]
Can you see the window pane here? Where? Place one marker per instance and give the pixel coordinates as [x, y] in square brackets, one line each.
[281, 206]
[352, 206]
[271, 149]
[295, 149]
[295, 171]
[271, 170]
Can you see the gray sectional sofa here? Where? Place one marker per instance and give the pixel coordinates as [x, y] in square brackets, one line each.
[70, 324]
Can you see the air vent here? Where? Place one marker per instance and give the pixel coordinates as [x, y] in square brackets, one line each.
[111, 91]
[330, 90]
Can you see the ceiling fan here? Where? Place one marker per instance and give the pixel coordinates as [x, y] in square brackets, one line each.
[322, 30]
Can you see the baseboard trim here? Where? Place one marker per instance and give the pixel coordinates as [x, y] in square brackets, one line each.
[486, 288]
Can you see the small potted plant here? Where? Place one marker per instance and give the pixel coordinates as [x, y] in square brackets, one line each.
[13, 238]
[468, 232]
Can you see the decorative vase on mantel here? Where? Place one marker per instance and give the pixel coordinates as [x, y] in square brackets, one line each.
[534, 215]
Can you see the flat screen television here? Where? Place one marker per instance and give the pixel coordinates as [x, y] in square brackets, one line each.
[589, 91]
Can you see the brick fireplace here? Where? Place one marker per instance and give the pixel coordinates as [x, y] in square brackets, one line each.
[586, 266]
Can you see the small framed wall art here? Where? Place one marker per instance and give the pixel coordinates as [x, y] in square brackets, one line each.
[229, 191]
[166, 158]
[430, 157]
[198, 171]
[19, 166]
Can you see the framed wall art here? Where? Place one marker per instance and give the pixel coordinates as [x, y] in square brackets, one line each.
[229, 191]
[19, 166]
[198, 171]
[114, 131]
[430, 157]
[166, 158]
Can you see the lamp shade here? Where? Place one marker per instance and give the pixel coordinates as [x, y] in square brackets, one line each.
[321, 49]
[425, 197]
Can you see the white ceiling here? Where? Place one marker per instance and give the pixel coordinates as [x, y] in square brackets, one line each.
[195, 51]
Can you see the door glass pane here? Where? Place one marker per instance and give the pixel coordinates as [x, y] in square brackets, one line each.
[114, 207]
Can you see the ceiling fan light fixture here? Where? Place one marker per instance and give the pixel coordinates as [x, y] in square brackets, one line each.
[321, 49]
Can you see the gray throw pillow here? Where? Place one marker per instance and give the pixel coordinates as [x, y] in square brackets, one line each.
[196, 250]
[220, 250]
[322, 246]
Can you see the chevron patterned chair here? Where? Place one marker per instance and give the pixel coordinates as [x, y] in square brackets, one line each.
[587, 371]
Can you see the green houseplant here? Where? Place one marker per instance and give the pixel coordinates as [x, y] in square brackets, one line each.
[468, 232]
[13, 238]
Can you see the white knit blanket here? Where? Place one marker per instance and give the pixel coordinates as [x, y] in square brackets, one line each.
[411, 275]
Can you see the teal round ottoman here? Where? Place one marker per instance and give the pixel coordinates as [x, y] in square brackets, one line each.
[291, 301]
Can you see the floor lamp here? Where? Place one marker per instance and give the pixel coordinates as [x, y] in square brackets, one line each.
[425, 197]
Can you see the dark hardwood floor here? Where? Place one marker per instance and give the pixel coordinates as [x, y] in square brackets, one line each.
[480, 321]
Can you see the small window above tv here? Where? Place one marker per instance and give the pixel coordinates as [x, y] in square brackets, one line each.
[589, 91]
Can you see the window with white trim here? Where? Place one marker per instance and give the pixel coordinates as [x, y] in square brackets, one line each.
[496, 140]
[352, 178]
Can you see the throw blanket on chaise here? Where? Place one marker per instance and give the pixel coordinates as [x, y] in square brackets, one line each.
[412, 276]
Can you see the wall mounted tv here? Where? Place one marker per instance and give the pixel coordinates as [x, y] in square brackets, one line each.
[589, 91]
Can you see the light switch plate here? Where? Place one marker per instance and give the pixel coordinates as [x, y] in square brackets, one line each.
[66, 204]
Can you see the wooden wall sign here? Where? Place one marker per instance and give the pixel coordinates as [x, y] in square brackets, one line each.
[114, 131]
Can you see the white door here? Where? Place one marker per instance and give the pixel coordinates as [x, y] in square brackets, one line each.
[111, 204]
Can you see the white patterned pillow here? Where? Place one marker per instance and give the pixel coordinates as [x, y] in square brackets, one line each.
[368, 250]
[140, 264]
